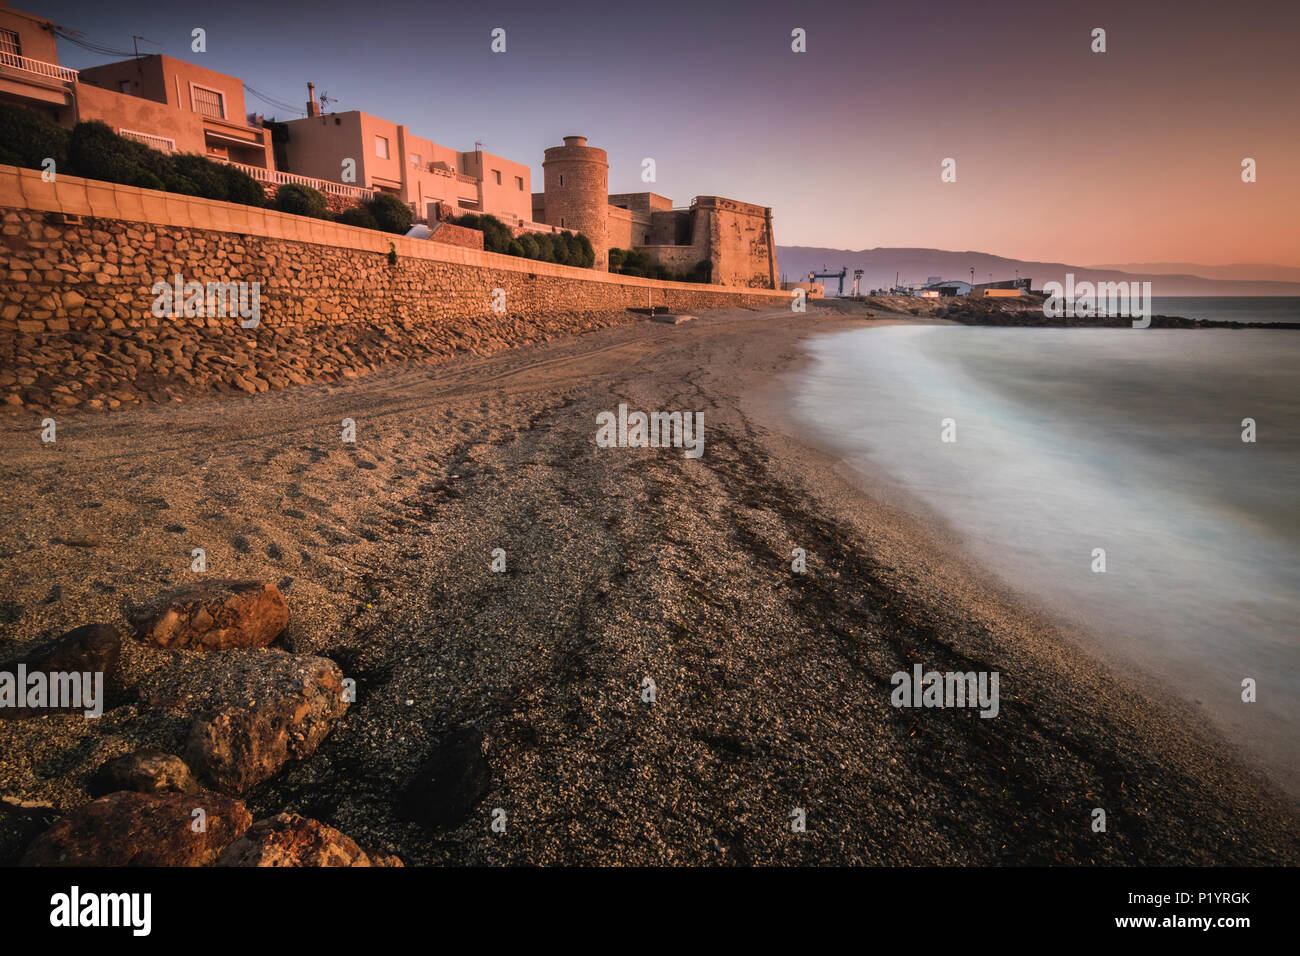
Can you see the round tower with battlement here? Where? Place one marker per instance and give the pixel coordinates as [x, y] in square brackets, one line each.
[575, 179]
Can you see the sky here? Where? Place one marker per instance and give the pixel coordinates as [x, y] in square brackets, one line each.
[1061, 154]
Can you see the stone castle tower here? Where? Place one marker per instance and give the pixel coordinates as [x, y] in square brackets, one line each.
[576, 182]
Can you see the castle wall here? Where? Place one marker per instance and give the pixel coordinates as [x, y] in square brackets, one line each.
[77, 329]
[644, 203]
[619, 228]
[678, 259]
[740, 242]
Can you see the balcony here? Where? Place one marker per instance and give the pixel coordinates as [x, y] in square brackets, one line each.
[277, 178]
[37, 67]
[34, 81]
[164, 143]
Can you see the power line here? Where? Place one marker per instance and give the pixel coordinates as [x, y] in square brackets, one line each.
[273, 101]
[72, 36]
[75, 37]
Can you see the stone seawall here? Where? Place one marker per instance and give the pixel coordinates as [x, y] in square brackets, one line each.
[77, 303]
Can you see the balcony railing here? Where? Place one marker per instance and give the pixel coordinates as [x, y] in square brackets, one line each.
[459, 177]
[39, 67]
[278, 178]
[164, 143]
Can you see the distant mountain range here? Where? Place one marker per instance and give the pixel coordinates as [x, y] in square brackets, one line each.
[914, 266]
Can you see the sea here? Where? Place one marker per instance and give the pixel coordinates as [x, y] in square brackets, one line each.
[1260, 308]
[1123, 444]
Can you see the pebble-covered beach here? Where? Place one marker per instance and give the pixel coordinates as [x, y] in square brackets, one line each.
[648, 681]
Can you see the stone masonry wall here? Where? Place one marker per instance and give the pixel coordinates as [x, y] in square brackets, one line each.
[76, 296]
[454, 235]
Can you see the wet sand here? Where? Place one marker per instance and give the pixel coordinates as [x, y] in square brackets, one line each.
[773, 688]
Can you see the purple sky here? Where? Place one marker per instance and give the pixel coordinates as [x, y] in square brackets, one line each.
[1062, 154]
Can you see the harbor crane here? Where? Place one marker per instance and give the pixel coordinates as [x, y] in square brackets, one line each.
[814, 276]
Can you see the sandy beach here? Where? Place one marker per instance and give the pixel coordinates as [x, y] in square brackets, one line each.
[772, 688]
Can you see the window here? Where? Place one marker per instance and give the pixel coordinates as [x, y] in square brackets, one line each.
[208, 102]
[381, 147]
[416, 160]
[124, 86]
[519, 181]
[9, 43]
[561, 179]
[497, 174]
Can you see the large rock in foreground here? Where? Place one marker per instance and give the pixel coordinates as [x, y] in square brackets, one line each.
[90, 649]
[288, 839]
[139, 829]
[215, 615]
[287, 704]
[21, 822]
[146, 771]
[450, 782]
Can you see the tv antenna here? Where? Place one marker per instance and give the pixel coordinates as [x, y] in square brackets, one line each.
[135, 43]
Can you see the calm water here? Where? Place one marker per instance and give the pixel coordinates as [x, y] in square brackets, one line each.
[1127, 440]
[1259, 308]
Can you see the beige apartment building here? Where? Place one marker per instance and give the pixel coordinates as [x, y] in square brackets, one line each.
[164, 102]
[191, 108]
[30, 74]
[176, 106]
[379, 154]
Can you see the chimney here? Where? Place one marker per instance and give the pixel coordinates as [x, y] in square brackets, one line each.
[312, 108]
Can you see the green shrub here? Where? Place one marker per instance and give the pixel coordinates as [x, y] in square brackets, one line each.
[391, 214]
[565, 248]
[196, 176]
[96, 152]
[496, 235]
[300, 200]
[358, 216]
[241, 187]
[28, 138]
[546, 247]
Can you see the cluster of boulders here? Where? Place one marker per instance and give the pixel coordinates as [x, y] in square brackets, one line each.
[252, 710]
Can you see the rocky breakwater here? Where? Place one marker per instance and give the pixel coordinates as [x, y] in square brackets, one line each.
[236, 711]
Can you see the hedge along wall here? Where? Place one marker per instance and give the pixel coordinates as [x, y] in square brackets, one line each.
[77, 328]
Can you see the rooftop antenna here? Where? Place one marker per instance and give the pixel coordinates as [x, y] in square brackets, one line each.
[135, 43]
[325, 101]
